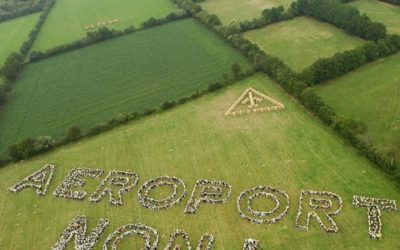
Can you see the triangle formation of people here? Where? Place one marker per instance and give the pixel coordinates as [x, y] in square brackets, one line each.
[253, 101]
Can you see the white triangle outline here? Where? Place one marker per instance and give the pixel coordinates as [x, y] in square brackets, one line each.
[250, 91]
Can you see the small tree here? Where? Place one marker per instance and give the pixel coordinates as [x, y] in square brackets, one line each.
[22, 150]
[14, 152]
[74, 133]
[236, 70]
[167, 105]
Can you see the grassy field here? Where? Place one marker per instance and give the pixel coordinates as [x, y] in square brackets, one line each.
[68, 18]
[301, 41]
[287, 149]
[130, 73]
[388, 14]
[240, 10]
[13, 33]
[370, 94]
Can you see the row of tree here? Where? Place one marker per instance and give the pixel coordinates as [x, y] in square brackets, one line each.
[343, 16]
[396, 2]
[14, 8]
[102, 34]
[348, 129]
[33, 146]
[341, 63]
[268, 16]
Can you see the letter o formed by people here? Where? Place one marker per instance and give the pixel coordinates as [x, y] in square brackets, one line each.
[179, 192]
[246, 199]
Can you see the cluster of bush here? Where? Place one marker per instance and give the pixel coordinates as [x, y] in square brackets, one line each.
[268, 16]
[16, 8]
[102, 34]
[341, 63]
[343, 16]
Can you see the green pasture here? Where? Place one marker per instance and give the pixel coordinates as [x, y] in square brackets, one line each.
[13, 33]
[301, 41]
[68, 18]
[240, 10]
[288, 149]
[370, 94]
[388, 14]
[131, 73]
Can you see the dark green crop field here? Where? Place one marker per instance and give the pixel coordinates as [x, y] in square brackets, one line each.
[130, 73]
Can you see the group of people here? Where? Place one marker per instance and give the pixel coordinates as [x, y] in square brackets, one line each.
[153, 204]
[374, 212]
[149, 234]
[39, 180]
[318, 203]
[262, 217]
[251, 244]
[209, 238]
[205, 238]
[73, 180]
[214, 192]
[78, 229]
[101, 24]
[126, 181]
[171, 245]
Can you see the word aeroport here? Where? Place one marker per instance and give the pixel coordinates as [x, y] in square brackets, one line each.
[322, 206]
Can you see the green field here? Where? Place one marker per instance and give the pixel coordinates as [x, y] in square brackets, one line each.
[130, 73]
[301, 41]
[370, 94]
[68, 18]
[288, 149]
[388, 14]
[13, 33]
[240, 10]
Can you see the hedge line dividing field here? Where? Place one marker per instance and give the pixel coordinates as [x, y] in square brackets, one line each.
[138, 72]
